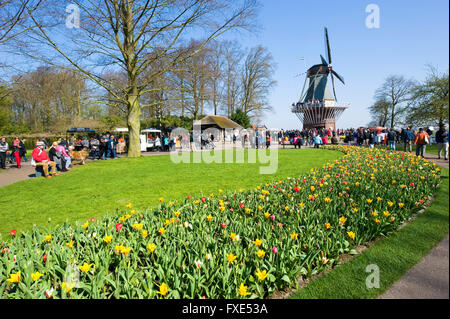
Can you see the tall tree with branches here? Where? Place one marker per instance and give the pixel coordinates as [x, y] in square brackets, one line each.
[257, 81]
[430, 100]
[396, 90]
[123, 35]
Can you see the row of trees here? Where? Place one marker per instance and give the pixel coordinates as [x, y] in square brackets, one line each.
[221, 79]
[136, 52]
[400, 101]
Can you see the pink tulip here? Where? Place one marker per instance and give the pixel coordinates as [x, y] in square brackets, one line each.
[274, 249]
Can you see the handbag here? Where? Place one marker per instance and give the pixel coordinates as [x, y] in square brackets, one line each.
[427, 141]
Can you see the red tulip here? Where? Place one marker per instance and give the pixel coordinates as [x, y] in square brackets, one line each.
[223, 225]
[274, 249]
[44, 258]
[92, 219]
[411, 184]
[242, 205]
[119, 226]
[296, 189]
[189, 196]
[203, 199]
[13, 232]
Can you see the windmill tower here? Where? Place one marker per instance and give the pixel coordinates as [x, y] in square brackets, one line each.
[318, 108]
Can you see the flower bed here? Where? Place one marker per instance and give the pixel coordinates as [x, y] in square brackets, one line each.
[242, 244]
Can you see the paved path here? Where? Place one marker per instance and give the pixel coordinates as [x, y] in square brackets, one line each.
[429, 278]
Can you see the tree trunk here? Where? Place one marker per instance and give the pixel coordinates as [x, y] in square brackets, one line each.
[134, 125]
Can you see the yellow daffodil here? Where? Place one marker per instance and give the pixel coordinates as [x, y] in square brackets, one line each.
[294, 236]
[177, 214]
[209, 217]
[107, 239]
[401, 205]
[231, 257]
[133, 212]
[161, 231]
[36, 275]
[85, 225]
[48, 238]
[161, 199]
[342, 220]
[386, 213]
[67, 287]
[233, 236]
[137, 226]
[267, 215]
[243, 290]
[70, 244]
[126, 251]
[128, 205]
[327, 225]
[257, 242]
[369, 201]
[144, 233]
[151, 247]
[261, 253]
[167, 222]
[261, 274]
[351, 234]
[327, 200]
[86, 267]
[390, 204]
[14, 278]
[163, 289]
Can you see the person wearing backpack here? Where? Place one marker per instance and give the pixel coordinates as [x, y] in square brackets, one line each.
[391, 137]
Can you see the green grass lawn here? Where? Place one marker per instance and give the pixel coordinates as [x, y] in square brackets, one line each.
[101, 187]
[394, 255]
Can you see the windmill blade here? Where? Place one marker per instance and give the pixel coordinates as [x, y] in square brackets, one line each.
[334, 91]
[338, 76]
[327, 46]
[323, 60]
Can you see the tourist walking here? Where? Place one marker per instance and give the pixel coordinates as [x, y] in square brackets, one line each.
[421, 140]
[391, 137]
[407, 138]
[3, 149]
[16, 151]
[442, 141]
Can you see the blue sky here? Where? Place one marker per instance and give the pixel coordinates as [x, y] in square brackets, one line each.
[412, 34]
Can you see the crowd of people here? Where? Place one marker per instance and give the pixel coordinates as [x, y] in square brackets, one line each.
[371, 138]
[107, 146]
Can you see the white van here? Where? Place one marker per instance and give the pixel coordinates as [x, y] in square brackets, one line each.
[147, 137]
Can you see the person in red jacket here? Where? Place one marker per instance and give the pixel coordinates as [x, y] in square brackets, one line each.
[41, 158]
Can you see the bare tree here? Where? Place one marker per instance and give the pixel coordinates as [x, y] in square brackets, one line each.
[232, 56]
[380, 112]
[396, 90]
[13, 15]
[123, 34]
[257, 81]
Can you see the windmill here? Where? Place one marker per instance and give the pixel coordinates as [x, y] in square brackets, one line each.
[318, 108]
